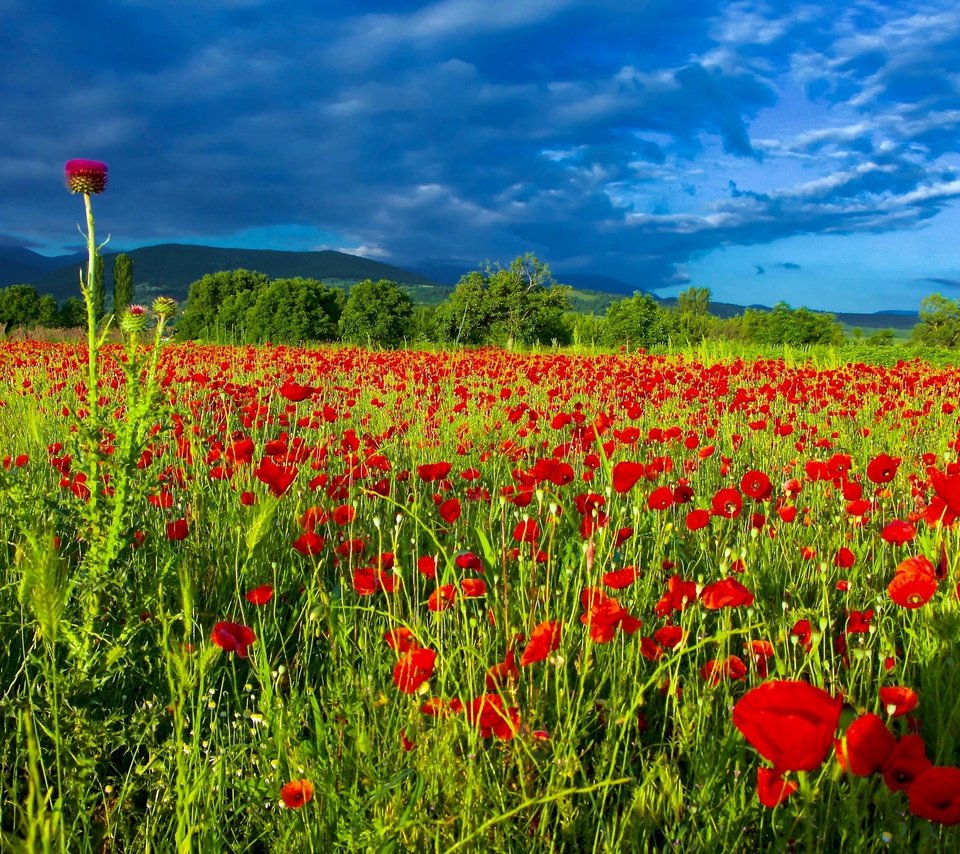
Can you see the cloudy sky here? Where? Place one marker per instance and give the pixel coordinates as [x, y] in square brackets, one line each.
[806, 151]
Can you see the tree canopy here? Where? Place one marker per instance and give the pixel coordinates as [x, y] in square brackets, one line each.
[377, 314]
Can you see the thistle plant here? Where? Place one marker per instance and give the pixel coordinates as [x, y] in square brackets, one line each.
[107, 512]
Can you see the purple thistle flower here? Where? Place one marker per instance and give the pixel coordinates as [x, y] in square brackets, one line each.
[85, 176]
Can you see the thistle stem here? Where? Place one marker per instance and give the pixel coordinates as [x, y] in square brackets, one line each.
[90, 298]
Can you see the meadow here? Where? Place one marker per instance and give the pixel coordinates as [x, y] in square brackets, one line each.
[273, 599]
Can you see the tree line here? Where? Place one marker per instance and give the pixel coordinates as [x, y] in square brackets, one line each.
[520, 304]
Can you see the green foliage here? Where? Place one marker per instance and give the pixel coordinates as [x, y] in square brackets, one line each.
[377, 314]
[939, 324]
[207, 295]
[21, 305]
[798, 327]
[881, 338]
[505, 305]
[72, 314]
[692, 319]
[294, 310]
[637, 321]
[122, 282]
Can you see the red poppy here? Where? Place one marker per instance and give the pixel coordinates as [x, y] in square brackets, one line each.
[527, 531]
[427, 566]
[914, 583]
[882, 468]
[294, 392]
[725, 593]
[308, 543]
[678, 595]
[413, 669]
[669, 636]
[660, 499]
[898, 532]
[935, 795]
[401, 639]
[866, 746]
[697, 519]
[442, 598]
[790, 723]
[488, 714]
[727, 502]
[277, 478]
[433, 471]
[906, 762]
[450, 510]
[473, 587]
[233, 637]
[756, 485]
[772, 789]
[544, 639]
[177, 530]
[844, 558]
[260, 595]
[945, 504]
[898, 700]
[499, 676]
[296, 793]
[719, 669]
[618, 579]
[626, 474]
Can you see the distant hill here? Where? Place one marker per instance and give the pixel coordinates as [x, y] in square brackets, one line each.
[170, 268]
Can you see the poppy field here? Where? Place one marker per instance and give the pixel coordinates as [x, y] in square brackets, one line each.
[279, 599]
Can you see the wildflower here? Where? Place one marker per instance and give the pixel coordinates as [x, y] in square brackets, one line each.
[296, 793]
[935, 795]
[86, 176]
[790, 723]
[260, 595]
[233, 637]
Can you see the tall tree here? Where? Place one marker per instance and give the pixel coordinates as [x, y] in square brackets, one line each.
[637, 321]
[377, 314]
[295, 310]
[939, 321]
[122, 282]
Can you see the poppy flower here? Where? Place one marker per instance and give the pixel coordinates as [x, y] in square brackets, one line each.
[618, 579]
[260, 595]
[660, 499]
[413, 669]
[906, 762]
[502, 674]
[898, 700]
[308, 543]
[678, 595]
[277, 478]
[233, 637]
[544, 639]
[626, 474]
[450, 510]
[866, 746]
[844, 558]
[401, 639]
[790, 723]
[490, 716]
[725, 593]
[882, 469]
[427, 566]
[898, 532]
[914, 583]
[473, 587]
[669, 636]
[442, 598]
[772, 789]
[296, 793]
[294, 392]
[944, 506]
[86, 176]
[431, 472]
[697, 519]
[727, 502]
[717, 670]
[177, 530]
[935, 795]
[756, 485]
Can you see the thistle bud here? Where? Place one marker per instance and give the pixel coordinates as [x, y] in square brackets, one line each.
[134, 319]
[164, 307]
[85, 176]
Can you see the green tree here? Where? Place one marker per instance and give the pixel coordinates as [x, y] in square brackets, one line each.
[939, 324]
[692, 319]
[21, 305]
[881, 338]
[122, 282]
[463, 317]
[505, 305]
[206, 296]
[377, 314]
[295, 310]
[798, 327]
[637, 321]
[72, 314]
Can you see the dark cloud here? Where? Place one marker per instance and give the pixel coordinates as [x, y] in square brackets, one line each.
[594, 134]
[946, 283]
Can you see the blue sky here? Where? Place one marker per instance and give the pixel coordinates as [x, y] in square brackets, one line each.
[806, 151]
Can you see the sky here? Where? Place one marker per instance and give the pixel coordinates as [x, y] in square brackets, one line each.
[798, 151]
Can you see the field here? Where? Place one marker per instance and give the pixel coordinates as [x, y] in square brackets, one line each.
[331, 600]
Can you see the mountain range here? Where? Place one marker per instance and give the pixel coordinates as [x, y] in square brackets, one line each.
[169, 269]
